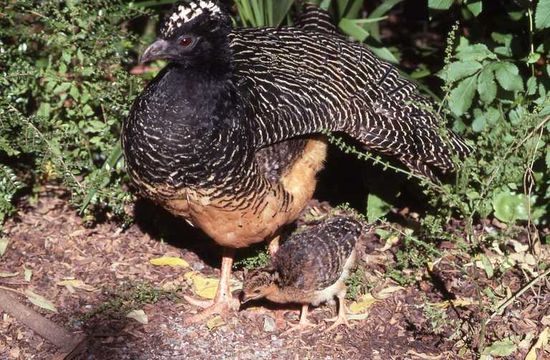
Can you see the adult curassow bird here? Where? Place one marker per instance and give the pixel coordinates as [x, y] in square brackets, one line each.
[195, 138]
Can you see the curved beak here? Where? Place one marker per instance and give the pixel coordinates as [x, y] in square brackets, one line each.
[244, 298]
[160, 49]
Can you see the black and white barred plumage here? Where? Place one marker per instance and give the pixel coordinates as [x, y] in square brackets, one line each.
[298, 80]
[233, 92]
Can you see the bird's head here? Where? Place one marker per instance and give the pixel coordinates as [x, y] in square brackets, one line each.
[258, 283]
[193, 32]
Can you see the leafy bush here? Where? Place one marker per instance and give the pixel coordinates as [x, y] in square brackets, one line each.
[65, 90]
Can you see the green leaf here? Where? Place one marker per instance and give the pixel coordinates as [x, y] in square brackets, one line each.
[542, 14]
[510, 207]
[376, 208]
[353, 29]
[501, 348]
[279, 10]
[384, 53]
[461, 69]
[486, 85]
[532, 85]
[533, 58]
[492, 115]
[460, 98]
[479, 122]
[508, 76]
[475, 52]
[440, 4]
[475, 6]
[61, 88]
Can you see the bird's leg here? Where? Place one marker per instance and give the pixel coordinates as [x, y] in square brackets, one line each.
[342, 316]
[304, 322]
[273, 246]
[223, 302]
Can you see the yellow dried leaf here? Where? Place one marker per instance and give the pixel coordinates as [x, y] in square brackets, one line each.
[71, 284]
[40, 301]
[203, 286]
[541, 343]
[138, 315]
[390, 241]
[169, 261]
[215, 322]
[362, 305]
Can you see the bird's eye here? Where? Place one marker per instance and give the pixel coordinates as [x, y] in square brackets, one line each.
[186, 41]
[257, 291]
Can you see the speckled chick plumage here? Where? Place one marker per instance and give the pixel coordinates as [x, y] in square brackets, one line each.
[310, 267]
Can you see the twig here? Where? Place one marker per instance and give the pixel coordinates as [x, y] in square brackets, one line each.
[12, 290]
[520, 292]
[67, 342]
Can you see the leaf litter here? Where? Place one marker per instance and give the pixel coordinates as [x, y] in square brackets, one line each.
[397, 320]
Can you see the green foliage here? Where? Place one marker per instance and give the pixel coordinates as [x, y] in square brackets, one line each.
[259, 13]
[253, 258]
[130, 297]
[376, 208]
[65, 90]
[356, 283]
[9, 185]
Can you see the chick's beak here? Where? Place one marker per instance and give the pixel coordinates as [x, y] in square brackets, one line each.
[244, 297]
[160, 49]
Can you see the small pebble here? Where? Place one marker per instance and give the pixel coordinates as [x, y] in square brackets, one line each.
[269, 324]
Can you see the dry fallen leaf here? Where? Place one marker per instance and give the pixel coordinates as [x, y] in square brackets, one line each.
[390, 241]
[203, 286]
[27, 274]
[540, 344]
[362, 305]
[385, 293]
[206, 287]
[3, 245]
[40, 301]
[7, 274]
[71, 284]
[138, 315]
[169, 261]
[215, 322]
[460, 302]
[518, 247]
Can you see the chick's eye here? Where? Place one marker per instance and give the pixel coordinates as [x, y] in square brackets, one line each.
[186, 41]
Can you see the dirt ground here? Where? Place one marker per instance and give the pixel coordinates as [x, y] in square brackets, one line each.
[437, 317]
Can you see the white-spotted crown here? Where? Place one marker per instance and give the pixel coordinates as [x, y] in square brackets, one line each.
[185, 12]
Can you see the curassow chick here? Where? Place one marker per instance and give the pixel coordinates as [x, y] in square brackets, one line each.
[309, 268]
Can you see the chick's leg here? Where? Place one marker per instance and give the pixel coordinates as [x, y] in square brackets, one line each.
[223, 302]
[304, 322]
[342, 316]
[273, 246]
